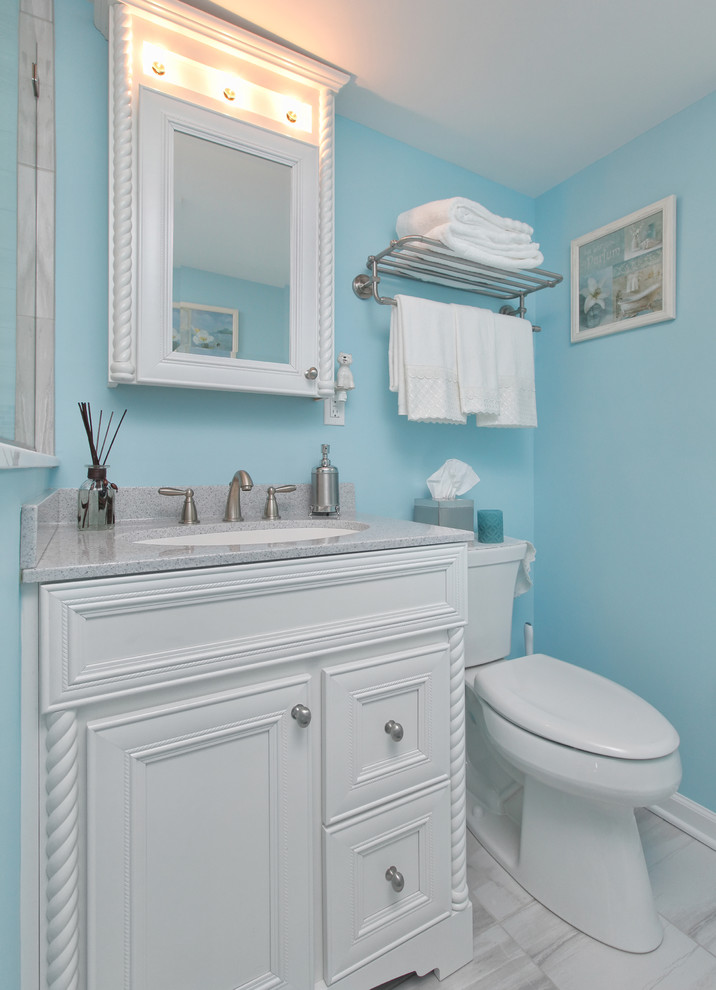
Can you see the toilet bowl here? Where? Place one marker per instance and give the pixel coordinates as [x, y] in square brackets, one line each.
[558, 758]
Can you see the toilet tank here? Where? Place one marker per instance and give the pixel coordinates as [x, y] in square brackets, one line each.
[491, 575]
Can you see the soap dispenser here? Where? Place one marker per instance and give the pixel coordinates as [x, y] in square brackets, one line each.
[325, 500]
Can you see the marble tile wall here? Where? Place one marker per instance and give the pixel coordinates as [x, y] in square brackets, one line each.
[34, 422]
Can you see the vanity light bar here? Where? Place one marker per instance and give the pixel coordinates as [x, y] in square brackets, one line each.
[177, 70]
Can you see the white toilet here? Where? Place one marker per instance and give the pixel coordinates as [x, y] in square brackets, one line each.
[558, 758]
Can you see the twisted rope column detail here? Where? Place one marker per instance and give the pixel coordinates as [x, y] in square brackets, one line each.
[62, 852]
[460, 896]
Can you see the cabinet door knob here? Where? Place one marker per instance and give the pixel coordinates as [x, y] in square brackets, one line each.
[301, 714]
[394, 730]
[395, 878]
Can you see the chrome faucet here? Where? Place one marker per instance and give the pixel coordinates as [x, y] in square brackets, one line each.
[241, 482]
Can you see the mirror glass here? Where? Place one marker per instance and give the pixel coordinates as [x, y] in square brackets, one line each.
[231, 252]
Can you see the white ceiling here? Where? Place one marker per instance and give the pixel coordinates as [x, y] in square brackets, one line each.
[524, 92]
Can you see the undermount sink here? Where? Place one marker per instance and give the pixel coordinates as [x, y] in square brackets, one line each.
[236, 536]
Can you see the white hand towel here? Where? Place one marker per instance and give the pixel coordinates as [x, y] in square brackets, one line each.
[515, 374]
[423, 218]
[423, 361]
[476, 360]
[524, 578]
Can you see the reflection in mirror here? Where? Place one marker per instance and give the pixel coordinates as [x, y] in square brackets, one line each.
[232, 264]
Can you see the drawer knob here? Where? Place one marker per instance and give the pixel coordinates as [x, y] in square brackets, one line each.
[302, 715]
[394, 730]
[395, 878]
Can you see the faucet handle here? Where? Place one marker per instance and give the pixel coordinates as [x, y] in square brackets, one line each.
[188, 512]
[271, 507]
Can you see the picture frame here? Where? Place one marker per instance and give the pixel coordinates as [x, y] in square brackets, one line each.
[624, 274]
[207, 331]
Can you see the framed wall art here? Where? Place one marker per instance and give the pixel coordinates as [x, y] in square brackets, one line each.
[624, 274]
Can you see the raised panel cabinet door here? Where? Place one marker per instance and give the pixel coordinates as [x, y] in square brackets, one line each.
[199, 864]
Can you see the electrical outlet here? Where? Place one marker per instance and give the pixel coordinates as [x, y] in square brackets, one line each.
[334, 413]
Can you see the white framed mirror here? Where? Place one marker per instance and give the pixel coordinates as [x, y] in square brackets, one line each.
[221, 212]
[227, 252]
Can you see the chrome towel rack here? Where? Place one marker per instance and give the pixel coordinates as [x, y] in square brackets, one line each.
[422, 259]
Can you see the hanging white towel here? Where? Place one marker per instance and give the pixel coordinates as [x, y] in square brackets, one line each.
[423, 361]
[524, 578]
[476, 359]
[515, 374]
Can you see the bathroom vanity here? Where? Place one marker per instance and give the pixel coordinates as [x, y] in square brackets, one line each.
[250, 775]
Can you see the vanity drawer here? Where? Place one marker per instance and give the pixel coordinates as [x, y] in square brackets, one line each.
[386, 727]
[117, 633]
[368, 908]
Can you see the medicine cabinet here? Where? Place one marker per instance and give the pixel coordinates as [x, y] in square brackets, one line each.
[221, 204]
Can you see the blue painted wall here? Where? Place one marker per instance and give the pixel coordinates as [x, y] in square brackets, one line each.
[625, 470]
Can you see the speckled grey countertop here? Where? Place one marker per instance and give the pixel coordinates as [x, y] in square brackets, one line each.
[53, 549]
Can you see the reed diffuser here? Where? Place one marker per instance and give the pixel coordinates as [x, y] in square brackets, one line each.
[95, 498]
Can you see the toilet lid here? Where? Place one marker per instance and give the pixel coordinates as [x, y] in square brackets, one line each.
[573, 706]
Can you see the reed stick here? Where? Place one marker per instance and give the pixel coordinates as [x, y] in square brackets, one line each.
[95, 441]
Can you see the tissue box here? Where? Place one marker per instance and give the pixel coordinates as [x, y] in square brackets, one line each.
[456, 512]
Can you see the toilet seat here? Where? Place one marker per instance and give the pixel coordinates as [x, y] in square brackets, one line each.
[575, 707]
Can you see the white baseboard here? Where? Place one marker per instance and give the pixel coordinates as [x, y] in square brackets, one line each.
[690, 817]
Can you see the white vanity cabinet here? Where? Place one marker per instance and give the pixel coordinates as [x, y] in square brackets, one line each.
[252, 776]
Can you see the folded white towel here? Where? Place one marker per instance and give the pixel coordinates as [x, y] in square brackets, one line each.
[423, 218]
[423, 361]
[511, 246]
[476, 360]
[454, 237]
[515, 374]
[491, 237]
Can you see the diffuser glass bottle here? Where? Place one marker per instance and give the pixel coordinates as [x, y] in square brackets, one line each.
[95, 499]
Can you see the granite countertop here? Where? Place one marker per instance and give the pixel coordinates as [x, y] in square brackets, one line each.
[53, 549]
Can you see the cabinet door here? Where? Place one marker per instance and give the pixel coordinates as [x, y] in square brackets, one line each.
[199, 869]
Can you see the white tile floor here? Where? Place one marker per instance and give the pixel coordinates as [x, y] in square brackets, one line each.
[520, 945]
